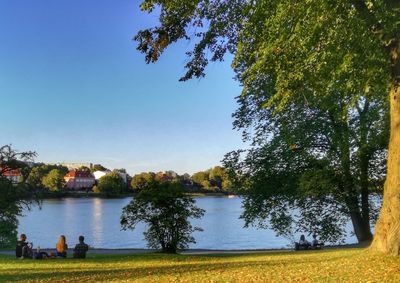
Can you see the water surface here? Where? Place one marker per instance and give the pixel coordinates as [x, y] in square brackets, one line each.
[98, 220]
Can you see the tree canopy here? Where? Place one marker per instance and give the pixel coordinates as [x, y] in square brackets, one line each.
[307, 167]
[292, 52]
[54, 180]
[166, 210]
[111, 184]
[15, 195]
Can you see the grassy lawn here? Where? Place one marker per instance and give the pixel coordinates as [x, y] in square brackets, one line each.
[341, 265]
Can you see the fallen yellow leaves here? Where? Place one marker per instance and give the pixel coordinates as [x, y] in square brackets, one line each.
[340, 265]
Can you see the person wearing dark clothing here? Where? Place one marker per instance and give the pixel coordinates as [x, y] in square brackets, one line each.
[81, 248]
[303, 244]
[23, 250]
[316, 244]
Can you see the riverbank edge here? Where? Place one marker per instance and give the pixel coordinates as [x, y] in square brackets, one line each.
[97, 195]
[127, 251]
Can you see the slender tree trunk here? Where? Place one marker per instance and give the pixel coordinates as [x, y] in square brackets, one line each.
[365, 199]
[364, 188]
[361, 230]
[364, 158]
[387, 236]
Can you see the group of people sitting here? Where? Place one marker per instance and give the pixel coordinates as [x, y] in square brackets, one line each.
[25, 249]
[303, 244]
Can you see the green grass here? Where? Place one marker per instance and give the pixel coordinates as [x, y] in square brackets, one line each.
[340, 265]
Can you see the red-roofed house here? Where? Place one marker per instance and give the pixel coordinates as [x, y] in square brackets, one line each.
[14, 175]
[78, 180]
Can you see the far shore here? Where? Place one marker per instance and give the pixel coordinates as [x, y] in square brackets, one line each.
[127, 251]
[97, 195]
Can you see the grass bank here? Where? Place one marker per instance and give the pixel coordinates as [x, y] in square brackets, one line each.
[339, 265]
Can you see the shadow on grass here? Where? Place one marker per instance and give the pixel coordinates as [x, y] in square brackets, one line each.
[174, 265]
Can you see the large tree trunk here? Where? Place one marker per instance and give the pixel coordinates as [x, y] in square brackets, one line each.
[387, 236]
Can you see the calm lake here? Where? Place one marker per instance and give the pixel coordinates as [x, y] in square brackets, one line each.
[98, 220]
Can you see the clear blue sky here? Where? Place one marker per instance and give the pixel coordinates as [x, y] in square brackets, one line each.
[74, 89]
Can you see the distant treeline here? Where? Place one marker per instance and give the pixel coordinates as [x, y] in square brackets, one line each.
[212, 180]
[49, 179]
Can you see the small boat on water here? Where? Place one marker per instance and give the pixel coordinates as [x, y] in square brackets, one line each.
[232, 196]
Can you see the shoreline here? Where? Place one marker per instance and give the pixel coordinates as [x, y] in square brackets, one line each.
[132, 251]
[97, 195]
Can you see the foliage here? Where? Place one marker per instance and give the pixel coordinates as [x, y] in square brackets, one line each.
[200, 178]
[15, 196]
[337, 265]
[315, 160]
[143, 180]
[54, 180]
[40, 171]
[293, 52]
[166, 210]
[110, 185]
[121, 170]
[215, 179]
[98, 167]
[84, 169]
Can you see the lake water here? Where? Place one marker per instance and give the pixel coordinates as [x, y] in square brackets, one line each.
[98, 220]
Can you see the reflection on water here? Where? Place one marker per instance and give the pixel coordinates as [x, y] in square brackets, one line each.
[99, 221]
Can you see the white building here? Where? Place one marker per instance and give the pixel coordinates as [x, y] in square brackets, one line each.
[98, 174]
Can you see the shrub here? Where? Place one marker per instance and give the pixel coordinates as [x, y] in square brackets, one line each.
[165, 209]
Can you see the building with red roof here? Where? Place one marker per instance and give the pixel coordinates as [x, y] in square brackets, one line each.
[79, 180]
[14, 175]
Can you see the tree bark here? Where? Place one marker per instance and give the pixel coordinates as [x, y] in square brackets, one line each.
[387, 236]
[362, 231]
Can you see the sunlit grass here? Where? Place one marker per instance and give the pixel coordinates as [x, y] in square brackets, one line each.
[340, 265]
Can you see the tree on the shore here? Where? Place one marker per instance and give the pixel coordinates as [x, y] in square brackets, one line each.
[54, 180]
[298, 49]
[111, 184]
[39, 171]
[143, 180]
[213, 179]
[15, 196]
[98, 167]
[166, 210]
[310, 169]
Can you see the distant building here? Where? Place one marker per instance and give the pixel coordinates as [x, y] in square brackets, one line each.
[14, 175]
[78, 180]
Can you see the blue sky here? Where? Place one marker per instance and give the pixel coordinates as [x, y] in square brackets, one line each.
[74, 89]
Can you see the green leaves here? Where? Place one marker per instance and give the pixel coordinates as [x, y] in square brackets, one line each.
[110, 185]
[54, 180]
[15, 196]
[165, 209]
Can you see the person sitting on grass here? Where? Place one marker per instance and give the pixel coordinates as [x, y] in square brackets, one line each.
[62, 247]
[315, 244]
[23, 249]
[81, 248]
[40, 254]
[303, 244]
